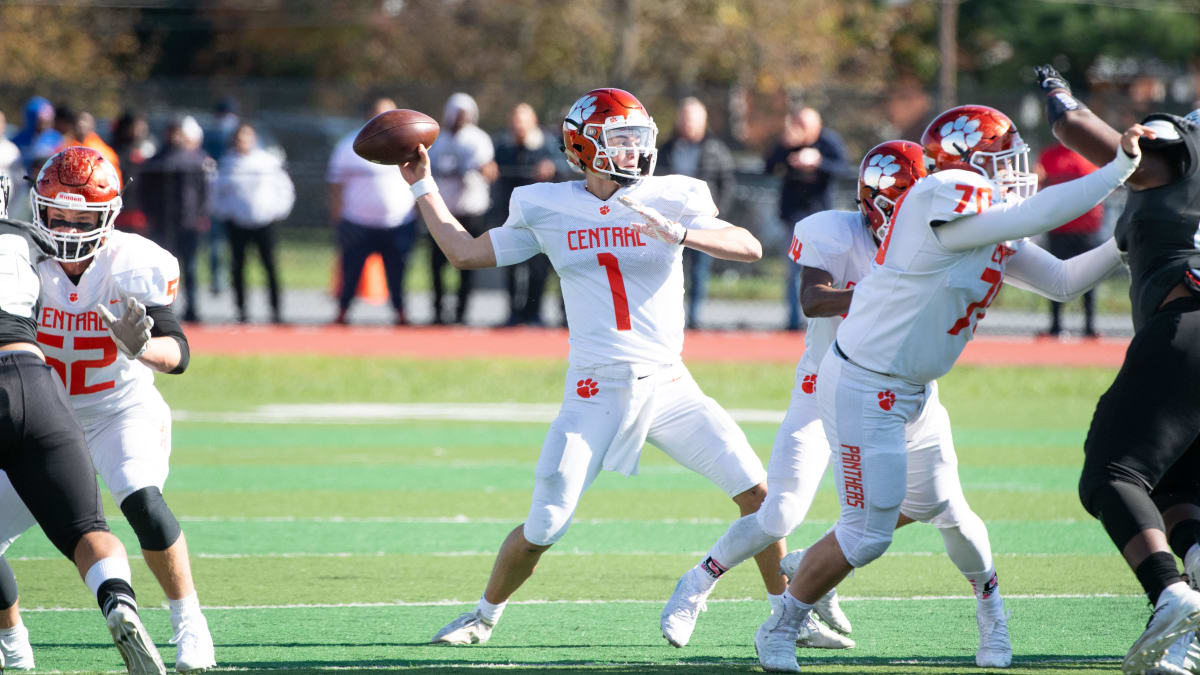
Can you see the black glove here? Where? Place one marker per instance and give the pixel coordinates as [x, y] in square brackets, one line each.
[1049, 79]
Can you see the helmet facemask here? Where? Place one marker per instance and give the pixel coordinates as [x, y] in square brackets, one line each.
[616, 140]
[1008, 169]
[89, 237]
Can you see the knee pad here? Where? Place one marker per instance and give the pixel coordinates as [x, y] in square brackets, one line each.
[946, 514]
[1123, 508]
[780, 514]
[8, 585]
[861, 548]
[152, 521]
[546, 526]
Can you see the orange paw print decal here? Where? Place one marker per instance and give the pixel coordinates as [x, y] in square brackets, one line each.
[809, 384]
[886, 399]
[604, 210]
[587, 388]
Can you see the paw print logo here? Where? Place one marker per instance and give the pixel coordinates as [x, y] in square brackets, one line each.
[960, 134]
[881, 171]
[582, 110]
[73, 297]
[604, 210]
[587, 388]
[809, 384]
[886, 399]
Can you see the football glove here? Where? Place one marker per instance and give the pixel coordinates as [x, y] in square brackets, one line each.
[1050, 79]
[131, 332]
[657, 225]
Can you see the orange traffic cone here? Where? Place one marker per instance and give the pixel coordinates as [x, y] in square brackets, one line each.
[372, 285]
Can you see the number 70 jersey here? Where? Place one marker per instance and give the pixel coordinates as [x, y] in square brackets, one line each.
[913, 314]
[623, 291]
[99, 379]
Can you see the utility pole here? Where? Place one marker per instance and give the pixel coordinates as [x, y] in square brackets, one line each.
[948, 51]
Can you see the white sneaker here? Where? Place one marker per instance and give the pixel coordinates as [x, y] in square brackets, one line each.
[678, 618]
[817, 635]
[827, 607]
[467, 629]
[16, 651]
[775, 643]
[134, 643]
[1182, 657]
[1171, 618]
[995, 649]
[194, 651]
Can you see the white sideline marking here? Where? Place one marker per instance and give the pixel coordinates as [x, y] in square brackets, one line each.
[358, 413]
[456, 602]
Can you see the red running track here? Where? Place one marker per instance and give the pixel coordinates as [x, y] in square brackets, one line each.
[462, 342]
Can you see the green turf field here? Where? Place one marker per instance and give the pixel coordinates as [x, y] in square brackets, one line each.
[343, 545]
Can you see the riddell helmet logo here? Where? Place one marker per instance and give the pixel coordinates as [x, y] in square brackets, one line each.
[70, 197]
[587, 388]
[604, 210]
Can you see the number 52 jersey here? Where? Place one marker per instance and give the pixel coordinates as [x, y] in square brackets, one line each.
[100, 379]
[623, 291]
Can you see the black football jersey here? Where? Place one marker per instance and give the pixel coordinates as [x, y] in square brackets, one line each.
[22, 247]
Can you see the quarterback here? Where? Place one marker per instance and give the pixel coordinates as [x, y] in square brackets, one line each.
[616, 241]
[953, 236]
[105, 325]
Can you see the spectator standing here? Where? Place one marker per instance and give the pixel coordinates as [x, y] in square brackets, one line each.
[175, 198]
[83, 132]
[463, 161]
[252, 193]
[131, 141]
[371, 207]
[217, 140]
[522, 158]
[37, 140]
[692, 151]
[808, 158]
[1058, 164]
[10, 156]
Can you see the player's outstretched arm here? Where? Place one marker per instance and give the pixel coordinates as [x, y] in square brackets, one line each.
[1033, 268]
[819, 297]
[464, 250]
[1083, 131]
[728, 243]
[1049, 208]
[162, 354]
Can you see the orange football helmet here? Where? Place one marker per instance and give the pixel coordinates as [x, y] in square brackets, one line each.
[886, 173]
[981, 139]
[77, 179]
[602, 127]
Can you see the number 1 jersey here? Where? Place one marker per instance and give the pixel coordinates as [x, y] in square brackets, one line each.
[99, 378]
[623, 291]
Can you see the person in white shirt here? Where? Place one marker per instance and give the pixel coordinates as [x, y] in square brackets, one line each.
[253, 192]
[952, 237]
[463, 161]
[372, 211]
[622, 283]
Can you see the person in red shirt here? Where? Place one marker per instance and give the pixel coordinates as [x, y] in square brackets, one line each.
[1057, 164]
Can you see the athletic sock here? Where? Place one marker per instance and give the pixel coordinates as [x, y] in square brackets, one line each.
[1157, 572]
[776, 601]
[743, 540]
[490, 613]
[115, 592]
[183, 609]
[710, 571]
[109, 579]
[12, 632]
[985, 584]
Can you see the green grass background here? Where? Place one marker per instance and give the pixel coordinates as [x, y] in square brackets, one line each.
[332, 547]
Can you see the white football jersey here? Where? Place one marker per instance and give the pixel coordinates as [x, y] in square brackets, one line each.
[623, 291]
[99, 378]
[913, 315]
[840, 243]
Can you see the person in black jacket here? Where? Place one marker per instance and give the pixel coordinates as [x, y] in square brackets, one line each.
[1141, 468]
[692, 151]
[175, 196]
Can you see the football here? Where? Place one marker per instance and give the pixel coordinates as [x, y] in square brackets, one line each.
[392, 137]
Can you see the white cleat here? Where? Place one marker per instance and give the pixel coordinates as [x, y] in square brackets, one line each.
[678, 618]
[16, 651]
[467, 629]
[194, 652]
[827, 607]
[1182, 657]
[995, 649]
[137, 649]
[817, 635]
[775, 641]
[1171, 619]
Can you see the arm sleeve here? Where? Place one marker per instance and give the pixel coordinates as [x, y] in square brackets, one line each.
[515, 240]
[1044, 211]
[167, 325]
[1032, 268]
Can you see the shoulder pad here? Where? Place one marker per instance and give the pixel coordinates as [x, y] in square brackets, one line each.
[956, 193]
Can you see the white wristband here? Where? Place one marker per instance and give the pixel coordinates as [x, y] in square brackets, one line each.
[423, 187]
